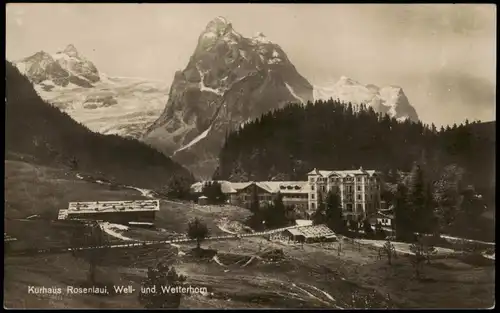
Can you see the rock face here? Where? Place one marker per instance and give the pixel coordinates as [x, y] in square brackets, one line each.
[229, 80]
[60, 69]
[387, 100]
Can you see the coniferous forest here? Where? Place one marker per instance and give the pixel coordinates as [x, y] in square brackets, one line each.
[287, 143]
[431, 172]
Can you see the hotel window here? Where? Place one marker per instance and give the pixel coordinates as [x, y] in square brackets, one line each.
[313, 206]
[358, 179]
[312, 187]
[359, 188]
[359, 208]
[359, 197]
[312, 196]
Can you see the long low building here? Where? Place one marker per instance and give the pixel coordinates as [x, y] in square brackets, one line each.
[295, 193]
[313, 233]
[121, 212]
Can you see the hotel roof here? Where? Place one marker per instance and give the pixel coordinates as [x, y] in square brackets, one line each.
[226, 186]
[113, 206]
[285, 187]
[345, 173]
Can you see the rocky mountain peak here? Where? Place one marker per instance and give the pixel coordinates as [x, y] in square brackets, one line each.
[219, 26]
[59, 69]
[344, 80]
[71, 51]
[229, 80]
[387, 100]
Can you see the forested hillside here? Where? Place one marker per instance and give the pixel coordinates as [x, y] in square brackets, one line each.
[287, 143]
[40, 133]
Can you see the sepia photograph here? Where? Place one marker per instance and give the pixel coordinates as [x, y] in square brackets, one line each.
[249, 156]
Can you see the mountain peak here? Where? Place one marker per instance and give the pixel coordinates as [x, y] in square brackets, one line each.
[218, 25]
[228, 80]
[344, 80]
[61, 68]
[261, 38]
[71, 50]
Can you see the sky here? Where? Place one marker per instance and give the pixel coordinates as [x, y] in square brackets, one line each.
[443, 56]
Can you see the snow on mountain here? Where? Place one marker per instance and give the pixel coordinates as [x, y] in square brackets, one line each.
[121, 106]
[110, 105]
[62, 68]
[387, 100]
[293, 93]
[195, 140]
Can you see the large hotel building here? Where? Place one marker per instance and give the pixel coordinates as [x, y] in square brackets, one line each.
[359, 191]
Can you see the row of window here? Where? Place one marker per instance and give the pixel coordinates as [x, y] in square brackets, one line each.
[348, 188]
[368, 196]
[340, 179]
[269, 197]
[349, 207]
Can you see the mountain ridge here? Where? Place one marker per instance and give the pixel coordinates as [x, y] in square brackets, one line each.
[62, 68]
[389, 99]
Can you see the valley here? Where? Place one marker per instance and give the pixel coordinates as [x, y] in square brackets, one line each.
[161, 145]
[309, 276]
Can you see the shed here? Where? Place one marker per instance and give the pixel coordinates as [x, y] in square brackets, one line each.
[385, 219]
[202, 200]
[316, 233]
[294, 234]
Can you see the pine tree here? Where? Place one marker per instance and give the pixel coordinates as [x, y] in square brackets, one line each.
[334, 216]
[277, 215]
[319, 216]
[447, 195]
[402, 214]
[159, 278]
[197, 230]
[255, 203]
[417, 199]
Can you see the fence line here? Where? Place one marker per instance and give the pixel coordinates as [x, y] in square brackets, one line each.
[182, 239]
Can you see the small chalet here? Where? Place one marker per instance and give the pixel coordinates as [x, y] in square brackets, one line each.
[385, 218]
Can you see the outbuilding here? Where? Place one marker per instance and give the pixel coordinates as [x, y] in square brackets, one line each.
[310, 234]
[202, 200]
[120, 212]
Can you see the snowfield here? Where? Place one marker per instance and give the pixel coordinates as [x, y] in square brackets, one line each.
[293, 93]
[135, 104]
[195, 140]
